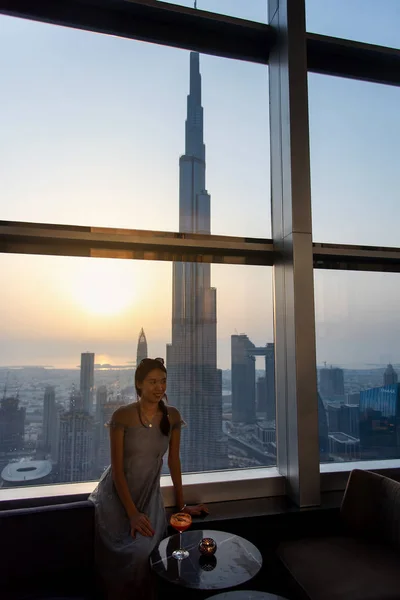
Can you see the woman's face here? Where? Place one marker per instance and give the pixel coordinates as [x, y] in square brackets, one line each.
[154, 385]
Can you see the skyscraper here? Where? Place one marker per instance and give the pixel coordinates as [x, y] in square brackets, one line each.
[243, 379]
[243, 353]
[331, 382]
[87, 380]
[141, 351]
[390, 376]
[101, 398]
[261, 394]
[51, 422]
[194, 382]
[12, 425]
[76, 445]
[350, 419]
[380, 422]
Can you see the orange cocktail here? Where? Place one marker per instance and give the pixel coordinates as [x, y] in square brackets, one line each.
[180, 521]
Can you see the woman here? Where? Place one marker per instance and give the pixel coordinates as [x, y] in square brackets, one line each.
[130, 514]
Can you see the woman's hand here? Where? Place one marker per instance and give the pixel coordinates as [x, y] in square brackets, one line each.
[140, 523]
[195, 511]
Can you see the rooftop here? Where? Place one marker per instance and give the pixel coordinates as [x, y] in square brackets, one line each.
[26, 470]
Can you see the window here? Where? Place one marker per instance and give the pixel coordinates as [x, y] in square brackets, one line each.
[358, 365]
[354, 132]
[372, 21]
[93, 128]
[68, 361]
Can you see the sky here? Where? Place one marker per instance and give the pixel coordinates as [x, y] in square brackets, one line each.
[92, 127]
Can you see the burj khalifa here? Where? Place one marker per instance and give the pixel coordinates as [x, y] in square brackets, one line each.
[194, 382]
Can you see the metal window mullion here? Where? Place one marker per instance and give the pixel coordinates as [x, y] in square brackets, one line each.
[353, 60]
[295, 357]
[97, 242]
[155, 22]
[210, 33]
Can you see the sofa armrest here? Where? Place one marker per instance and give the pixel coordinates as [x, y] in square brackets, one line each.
[371, 507]
[52, 544]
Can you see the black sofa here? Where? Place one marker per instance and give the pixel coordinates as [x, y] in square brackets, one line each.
[360, 562]
[48, 552]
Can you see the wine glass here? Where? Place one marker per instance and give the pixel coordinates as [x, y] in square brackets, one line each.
[180, 521]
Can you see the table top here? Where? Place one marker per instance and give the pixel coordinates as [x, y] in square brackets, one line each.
[235, 561]
[246, 595]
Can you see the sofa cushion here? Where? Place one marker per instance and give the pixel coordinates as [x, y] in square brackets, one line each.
[371, 507]
[339, 568]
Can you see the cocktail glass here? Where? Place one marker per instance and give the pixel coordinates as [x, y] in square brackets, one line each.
[180, 521]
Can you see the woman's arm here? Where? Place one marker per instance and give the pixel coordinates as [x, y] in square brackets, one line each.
[174, 463]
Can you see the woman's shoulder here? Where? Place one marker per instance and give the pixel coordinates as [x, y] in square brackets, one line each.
[123, 415]
[175, 417]
[174, 414]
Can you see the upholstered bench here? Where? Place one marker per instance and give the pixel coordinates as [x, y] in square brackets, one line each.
[47, 552]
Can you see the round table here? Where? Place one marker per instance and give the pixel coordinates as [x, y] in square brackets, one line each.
[236, 561]
[246, 595]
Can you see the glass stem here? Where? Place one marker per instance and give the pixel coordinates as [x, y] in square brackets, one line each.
[180, 540]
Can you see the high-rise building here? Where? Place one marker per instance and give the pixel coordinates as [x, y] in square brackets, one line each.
[350, 419]
[261, 394]
[101, 399]
[141, 351]
[12, 425]
[51, 423]
[76, 445]
[333, 411]
[353, 398]
[49, 406]
[194, 382]
[390, 376]
[380, 422]
[331, 382]
[243, 373]
[87, 380]
[76, 400]
[244, 387]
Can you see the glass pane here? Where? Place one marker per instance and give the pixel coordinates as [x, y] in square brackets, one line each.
[93, 132]
[371, 21]
[256, 10]
[68, 359]
[354, 133]
[357, 333]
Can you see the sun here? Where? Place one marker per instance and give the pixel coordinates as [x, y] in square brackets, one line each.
[103, 287]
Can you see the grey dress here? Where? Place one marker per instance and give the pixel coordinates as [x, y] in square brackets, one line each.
[120, 558]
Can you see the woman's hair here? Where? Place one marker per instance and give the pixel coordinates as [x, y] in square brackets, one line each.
[142, 370]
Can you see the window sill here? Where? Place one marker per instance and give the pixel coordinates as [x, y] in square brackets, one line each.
[212, 487]
[215, 486]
